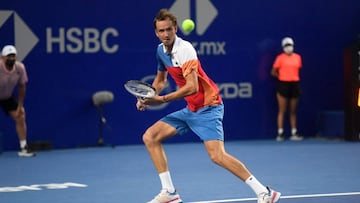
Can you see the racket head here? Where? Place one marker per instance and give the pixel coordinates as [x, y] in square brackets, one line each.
[140, 89]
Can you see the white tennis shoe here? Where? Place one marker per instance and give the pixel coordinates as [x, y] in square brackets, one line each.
[26, 152]
[296, 137]
[166, 197]
[271, 196]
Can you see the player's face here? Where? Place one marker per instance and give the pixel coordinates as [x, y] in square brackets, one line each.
[9, 61]
[166, 32]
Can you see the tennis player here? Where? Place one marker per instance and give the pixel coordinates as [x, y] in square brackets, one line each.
[12, 74]
[286, 69]
[203, 114]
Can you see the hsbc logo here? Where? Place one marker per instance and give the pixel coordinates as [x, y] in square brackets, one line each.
[73, 40]
[204, 13]
[23, 38]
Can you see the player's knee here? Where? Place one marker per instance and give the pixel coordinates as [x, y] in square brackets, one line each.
[148, 138]
[282, 110]
[292, 111]
[20, 118]
[145, 138]
[217, 158]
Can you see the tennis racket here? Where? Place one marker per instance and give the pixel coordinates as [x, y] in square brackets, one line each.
[140, 89]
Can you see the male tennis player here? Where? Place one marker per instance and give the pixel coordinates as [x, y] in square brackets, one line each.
[13, 73]
[203, 114]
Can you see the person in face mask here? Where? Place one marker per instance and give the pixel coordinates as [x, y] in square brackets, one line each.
[286, 69]
[12, 74]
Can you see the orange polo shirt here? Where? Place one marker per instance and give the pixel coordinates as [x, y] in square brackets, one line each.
[288, 67]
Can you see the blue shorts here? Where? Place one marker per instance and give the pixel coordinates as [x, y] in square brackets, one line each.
[206, 122]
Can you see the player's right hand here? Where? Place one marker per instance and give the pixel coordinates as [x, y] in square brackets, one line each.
[140, 105]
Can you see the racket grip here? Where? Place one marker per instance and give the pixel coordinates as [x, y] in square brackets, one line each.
[138, 100]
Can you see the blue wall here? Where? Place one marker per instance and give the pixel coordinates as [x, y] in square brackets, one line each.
[74, 48]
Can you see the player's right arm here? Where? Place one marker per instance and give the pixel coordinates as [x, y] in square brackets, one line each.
[160, 81]
[275, 72]
[275, 68]
[159, 84]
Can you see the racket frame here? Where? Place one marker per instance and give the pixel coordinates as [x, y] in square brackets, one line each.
[143, 86]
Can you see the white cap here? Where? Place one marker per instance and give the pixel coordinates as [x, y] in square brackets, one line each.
[8, 49]
[287, 41]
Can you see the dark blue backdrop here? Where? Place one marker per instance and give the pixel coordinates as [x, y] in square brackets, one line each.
[74, 48]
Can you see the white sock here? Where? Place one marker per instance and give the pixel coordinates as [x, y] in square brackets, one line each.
[293, 131]
[256, 185]
[280, 131]
[166, 181]
[22, 143]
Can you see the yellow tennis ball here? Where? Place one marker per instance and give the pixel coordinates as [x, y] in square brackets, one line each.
[188, 25]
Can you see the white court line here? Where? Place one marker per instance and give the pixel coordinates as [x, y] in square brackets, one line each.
[284, 197]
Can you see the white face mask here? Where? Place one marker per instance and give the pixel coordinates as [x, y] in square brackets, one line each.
[288, 49]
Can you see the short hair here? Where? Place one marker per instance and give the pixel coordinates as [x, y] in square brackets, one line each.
[164, 14]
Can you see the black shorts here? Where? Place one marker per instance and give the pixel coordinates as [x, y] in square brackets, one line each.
[9, 104]
[289, 89]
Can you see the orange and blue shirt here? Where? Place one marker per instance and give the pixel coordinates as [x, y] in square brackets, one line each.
[182, 61]
[288, 67]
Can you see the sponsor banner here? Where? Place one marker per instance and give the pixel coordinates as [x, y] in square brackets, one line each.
[72, 49]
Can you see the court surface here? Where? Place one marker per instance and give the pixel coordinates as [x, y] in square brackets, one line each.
[309, 171]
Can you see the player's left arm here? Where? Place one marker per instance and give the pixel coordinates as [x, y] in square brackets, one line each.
[191, 87]
[21, 94]
[189, 68]
[22, 84]
[160, 81]
[300, 62]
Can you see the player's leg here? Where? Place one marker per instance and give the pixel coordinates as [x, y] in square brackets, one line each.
[207, 124]
[292, 112]
[293, 104]
[282, 106]
[21, 130]
[18, 115]
[293, 120]
[152, 139]
[218, 155]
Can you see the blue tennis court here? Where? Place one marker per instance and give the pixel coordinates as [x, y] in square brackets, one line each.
[308, 171]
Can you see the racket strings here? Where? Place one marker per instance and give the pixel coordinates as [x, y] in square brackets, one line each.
[140, 89]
